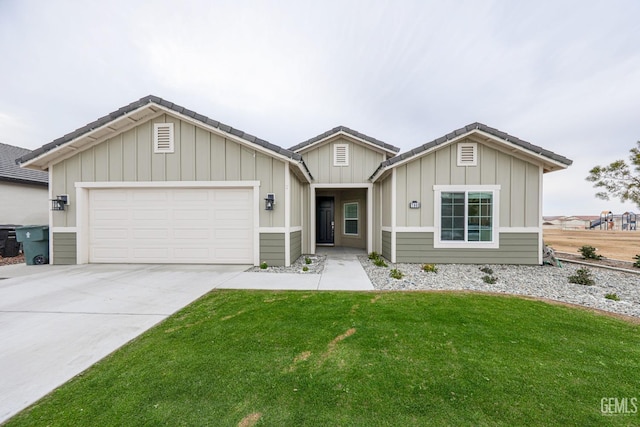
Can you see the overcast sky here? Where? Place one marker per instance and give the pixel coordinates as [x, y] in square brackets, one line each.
[564, 75]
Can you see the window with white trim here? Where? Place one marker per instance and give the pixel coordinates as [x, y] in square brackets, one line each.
[340, 154]
[467, 154]
[163, 138]
[351, 219]
[466, 216]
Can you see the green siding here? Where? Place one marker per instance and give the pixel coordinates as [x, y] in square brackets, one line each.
[272, 248]
[515, 248]
[386, 244]
[64, 248]
[296, 245]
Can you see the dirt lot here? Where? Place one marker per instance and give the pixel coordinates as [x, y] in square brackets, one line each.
[623, 245]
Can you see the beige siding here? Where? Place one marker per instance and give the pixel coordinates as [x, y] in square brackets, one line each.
[515, 248]
[519, 182]
[64, 248]
[363, 162]
[24, 204]
[386, 202]
[296, 200]
[306, 220]
[199, 156]
[272, 248]
[296, 246]
[377, 218]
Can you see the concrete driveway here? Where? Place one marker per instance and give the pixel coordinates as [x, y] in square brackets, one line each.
[56, 321]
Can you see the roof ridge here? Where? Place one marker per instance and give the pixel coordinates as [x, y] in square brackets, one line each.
[347, 130]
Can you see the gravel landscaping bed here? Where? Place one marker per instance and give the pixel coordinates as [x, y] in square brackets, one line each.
[315, 267]
[536, 281]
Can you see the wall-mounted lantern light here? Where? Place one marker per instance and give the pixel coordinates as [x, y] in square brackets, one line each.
[270, 201]
[414, 205]
[59, 203]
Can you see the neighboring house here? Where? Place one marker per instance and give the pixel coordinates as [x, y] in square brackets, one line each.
[154, 182]
[23, 192]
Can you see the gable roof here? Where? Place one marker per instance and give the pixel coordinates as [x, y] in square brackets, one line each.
[11, 172]
[129, 116]
[345, 131]
[551, 160]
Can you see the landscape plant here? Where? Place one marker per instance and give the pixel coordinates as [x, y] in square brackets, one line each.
[637, 262]
[582, 277]
[429, 268]
[489, 279]
[264, 265]
[589, 252]
[358, 359]
[305, 268]
[307, 260]
[613, 297]
[396, 274]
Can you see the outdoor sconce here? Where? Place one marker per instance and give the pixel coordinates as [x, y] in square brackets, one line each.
[270, 201]
[414, 205]
[59, 203]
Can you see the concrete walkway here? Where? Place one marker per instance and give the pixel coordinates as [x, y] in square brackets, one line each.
[342, 272]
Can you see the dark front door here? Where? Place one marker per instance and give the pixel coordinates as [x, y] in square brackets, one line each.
[324, 220]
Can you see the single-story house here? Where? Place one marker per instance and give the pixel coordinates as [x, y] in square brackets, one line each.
[23, 192]
[154, 182]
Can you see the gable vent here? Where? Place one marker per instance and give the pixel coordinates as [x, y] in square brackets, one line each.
[467, 154]
[341, 155]
[163, 138]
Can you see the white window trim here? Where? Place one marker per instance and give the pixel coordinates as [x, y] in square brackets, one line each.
[171, 147]
[344, 219]
[335, 154]
[462, 146]
[495, 240]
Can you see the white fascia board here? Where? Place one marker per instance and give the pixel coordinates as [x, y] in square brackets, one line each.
[58, 155]
[237, 139]
[543, 159]
[349, 136]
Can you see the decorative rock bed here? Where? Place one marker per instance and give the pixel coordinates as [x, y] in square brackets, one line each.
[536, 281]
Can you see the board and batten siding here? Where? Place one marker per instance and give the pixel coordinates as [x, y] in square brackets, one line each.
[519, 185]
[295, 239]
[386, 244]
[386, 201]
[272, 249]
[515, 248]
[295, 192]
[199, 155]
[64, 248]
[363, 161]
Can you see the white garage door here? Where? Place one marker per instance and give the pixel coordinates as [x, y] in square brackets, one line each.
[177, 225]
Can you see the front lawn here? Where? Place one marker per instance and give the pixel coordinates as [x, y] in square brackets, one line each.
[359, 359]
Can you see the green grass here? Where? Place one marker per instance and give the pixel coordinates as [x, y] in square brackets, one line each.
[359, 359]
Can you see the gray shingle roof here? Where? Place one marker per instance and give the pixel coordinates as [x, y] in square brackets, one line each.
[171, 106]
[350, 132]
[469, 128]
[10, 171]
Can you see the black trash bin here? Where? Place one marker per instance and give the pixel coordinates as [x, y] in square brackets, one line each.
[9, 246]
[35, 243]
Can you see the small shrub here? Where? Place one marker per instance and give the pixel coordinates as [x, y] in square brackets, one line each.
[486, 270]
[589, 252]
[263, 265]
[429, 268]
[374, 255]
[305, 268]
[307, 260]
[582, 277]
[379, 262]
[489, 279]
[396, 274]
[613, 297]
[637, 263]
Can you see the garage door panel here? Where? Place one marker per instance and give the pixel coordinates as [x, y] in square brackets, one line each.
[171, 225]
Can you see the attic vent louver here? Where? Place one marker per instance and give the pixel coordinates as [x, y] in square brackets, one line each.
[163, 138]
[341, 155]
[467, 154]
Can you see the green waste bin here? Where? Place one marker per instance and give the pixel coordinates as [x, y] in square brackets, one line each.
[35, 243]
